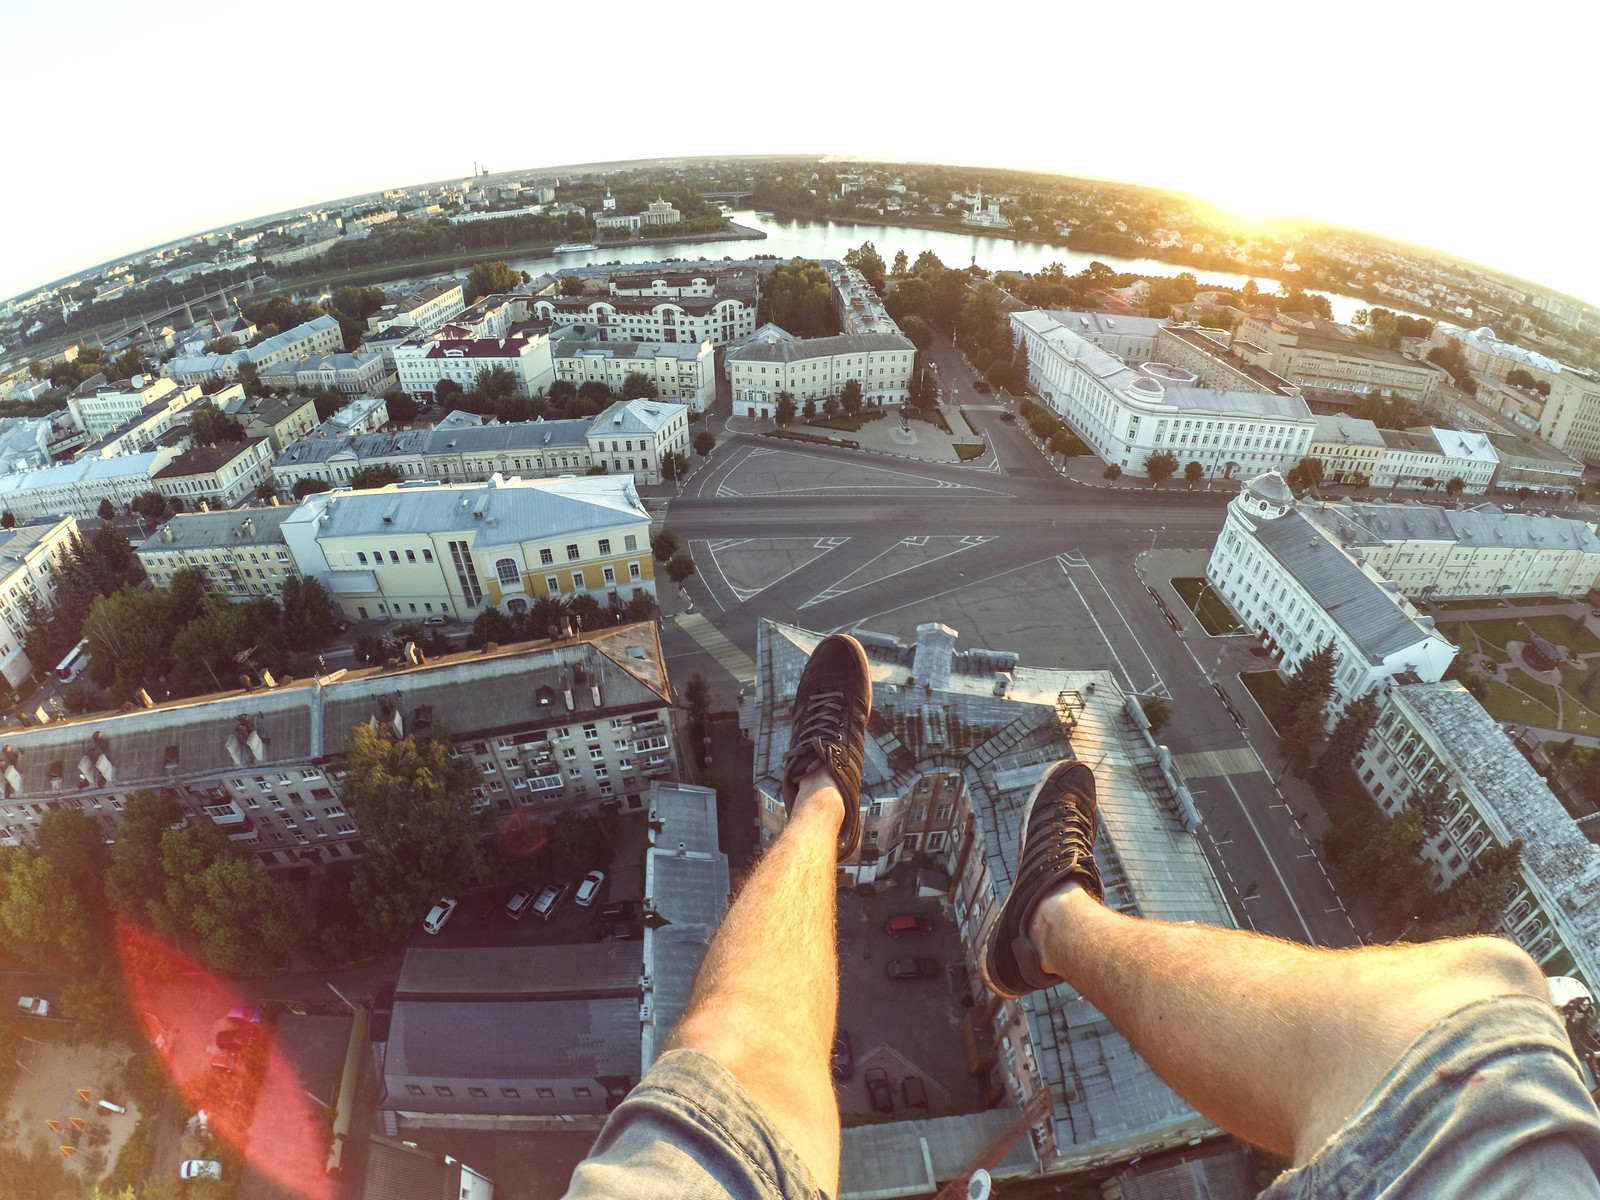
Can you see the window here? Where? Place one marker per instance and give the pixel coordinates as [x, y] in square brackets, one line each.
[577, 581]
[572, 551]
[427, 556]
[936, 841]
[605, 545]
[440, 1089]
[610, 575]
[506, 569]
[361, 557]
[478, 1092]
[943, 813]
[411, 556]
[546, 1093]
[414, 1088]
[546, 557]
[582, 1093]
[510, 1093]
[630, 542]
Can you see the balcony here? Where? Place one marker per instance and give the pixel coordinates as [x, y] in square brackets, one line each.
[547, 783]
[647, 744]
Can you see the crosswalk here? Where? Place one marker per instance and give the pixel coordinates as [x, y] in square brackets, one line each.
[1205, 763]
[732, 659]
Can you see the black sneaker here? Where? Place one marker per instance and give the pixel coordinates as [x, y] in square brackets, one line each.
[831, 707]
[1057, 844]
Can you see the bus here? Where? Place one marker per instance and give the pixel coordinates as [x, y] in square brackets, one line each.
[70, 667]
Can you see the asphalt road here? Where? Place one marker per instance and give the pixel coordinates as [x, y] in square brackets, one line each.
[1014, 558]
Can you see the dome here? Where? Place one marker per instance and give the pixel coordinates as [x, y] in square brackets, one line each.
[1271, 488]
[1485, 333]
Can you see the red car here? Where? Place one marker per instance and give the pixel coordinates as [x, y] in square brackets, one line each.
[907, 925]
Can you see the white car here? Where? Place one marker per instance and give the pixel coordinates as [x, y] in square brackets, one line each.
[33, 1006]
[438, 915]
[200, 1168]
[590, 887]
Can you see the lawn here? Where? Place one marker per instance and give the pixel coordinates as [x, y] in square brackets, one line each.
[965, 416]
[1266, 687]
[1553, 627]
[932, 416]
[1506, 703]
[1498, 632]
[847, 424]
[1207, 606]
[965, 451]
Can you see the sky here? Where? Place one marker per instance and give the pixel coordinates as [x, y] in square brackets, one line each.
[1461, 127]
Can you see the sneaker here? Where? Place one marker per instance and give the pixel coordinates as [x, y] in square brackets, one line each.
[831, 707]
[1057, 845]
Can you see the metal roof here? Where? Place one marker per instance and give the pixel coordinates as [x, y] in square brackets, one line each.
[784, 350]
[237, 527]
[587, 971]
[500, 1042]
[636, 417]
[1482, 527]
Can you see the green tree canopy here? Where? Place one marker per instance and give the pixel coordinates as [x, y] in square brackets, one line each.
[376, 476]
[308, 486]
[310, 617]
[639, 386]
[798, 297]
[850, 397]
[490, 278]
[680, 566]
[1161, 466]
[869, 262]
[663, 544]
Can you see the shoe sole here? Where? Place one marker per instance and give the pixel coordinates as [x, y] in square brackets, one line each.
[856, 648]
[1027, 812]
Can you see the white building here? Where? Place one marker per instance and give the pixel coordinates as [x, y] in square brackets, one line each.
[856, 303]
[425, 308]
[320, 335]
[683, 372]
[672, 304]
[1346, 447]
[422, 364]
[1438, 733]
[446, 453]
[1298, 589]
[774, 361]
[1431, 552]
[220, 476]
[1127, 414]
[1130, 338]
[99, 414]
[76, 489]
[660, 212]
[364, 414]
[642, 432]
[28, 555]
[361, 373]
[453, 549]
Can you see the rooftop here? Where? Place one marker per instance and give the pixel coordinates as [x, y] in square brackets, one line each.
[589, 971]
[764, 347]
[686, 351]
[1358, 524]
[1087, 323]
[84, 470]
[191, 531]
[207, 460]
[1463, 443]
[1344, 430]
[636, 417]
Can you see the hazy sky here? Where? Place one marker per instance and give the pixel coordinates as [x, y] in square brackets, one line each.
[1463, 127]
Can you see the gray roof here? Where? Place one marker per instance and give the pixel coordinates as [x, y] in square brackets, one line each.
[1116, 324]
[83, 471]
[16, 544]
[1415, 441]
[1484, 526]
[687, 351]
[239, 527]
[1271, 488]
[893, 1159]
[518, 437]
[636, 417]
[499, 513]
[588, 971]
[1522, 451]
[358, 445]
[1370, 613]
[784, 350]
[1348, 431]
[397, 1171]
[1517, 803]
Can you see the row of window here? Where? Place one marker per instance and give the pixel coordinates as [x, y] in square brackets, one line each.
[507, 1093]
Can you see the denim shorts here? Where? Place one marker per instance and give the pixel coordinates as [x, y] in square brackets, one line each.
[1488, 1104]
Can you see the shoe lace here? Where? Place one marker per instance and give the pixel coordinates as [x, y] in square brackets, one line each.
[825, 718]
[1067, 835]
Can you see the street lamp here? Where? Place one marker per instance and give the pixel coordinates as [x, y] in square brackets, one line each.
[1153, 532]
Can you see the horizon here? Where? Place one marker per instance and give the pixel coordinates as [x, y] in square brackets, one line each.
[1395, 160]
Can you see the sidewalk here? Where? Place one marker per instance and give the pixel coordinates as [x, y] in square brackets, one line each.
[923, 442]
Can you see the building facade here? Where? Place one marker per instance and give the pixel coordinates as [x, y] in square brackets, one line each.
[29, 555]
[242, 554]
[426, 308]
[661, 306]
[76, 489]
[654, 427]
[219, 476]
[683, 372]
[1348, 448]
[111, 407]
[1127, 415]
[1314, 353]
[774, 361]
[359, 374]
[1298, 589]
[421, 364]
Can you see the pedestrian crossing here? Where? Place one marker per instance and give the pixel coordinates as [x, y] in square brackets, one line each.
[1203, 763]
[732, 659]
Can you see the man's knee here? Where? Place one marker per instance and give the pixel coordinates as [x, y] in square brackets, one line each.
[1495, 966]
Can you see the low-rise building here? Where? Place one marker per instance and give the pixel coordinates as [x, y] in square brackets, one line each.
[76, 489]
[1437, 733]
[360, 374]
[1312, 352]
[642, 432]
[320, 335]
[364, 414]
[683, 372]
[1412, 457]
[1127, 414]
[1526, 461]
[1205, 354]
[1433, 553]
[660, 212]
[314, 247]
[282, 420]
[115, 405]
[219, 476]
[452, 549]
[1347, 447]
[421, 364]
[856, 304]
[669, 305]
[1299, 589]
[774, 360]
[242, 554]
[263, 766]
[426, 308]
[1130, 338]
[29, 555]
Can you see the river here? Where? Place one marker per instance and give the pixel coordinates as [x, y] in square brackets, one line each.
[830, 239]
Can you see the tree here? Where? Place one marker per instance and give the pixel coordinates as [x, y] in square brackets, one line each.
[808, 410]
[1308, 472]
[401, 407]
[41, 919]
[1480, 896]
[674, 465]
[8, 520]
[918, 331]
[492, 385]
[899, 268]
[1523, 493]
[371, 649]
[491, 625]
[1428, 481]
[151, 505]
[830, 407]
[850, 397]
[798, 297]
[1311, 680]
[447, 392]
[1454, 486]
[1157, 711]
[869, 262]
[309, 615]
[663, 544]
[307, 486]
[107, 511]
[783, 413]
[571, 285]
[1349, 735]
[705, 441]
[1112, 472]
[680, 566]
[1194, 472]
[639, 386]
[1161, 466]
[376, 476]
[489, 278]
[1381, 860]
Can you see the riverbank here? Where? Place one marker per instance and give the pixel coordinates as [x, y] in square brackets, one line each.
[734, 232]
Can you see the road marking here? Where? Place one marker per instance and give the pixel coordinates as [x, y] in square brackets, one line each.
[1241, 760]
[1137, 640]
[741, 594]
[1271, 862]
[1125, 675]
[837, 590]
[732, 659]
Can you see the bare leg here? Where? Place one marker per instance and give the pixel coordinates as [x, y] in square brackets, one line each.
[1276, 1042]
[766, 999]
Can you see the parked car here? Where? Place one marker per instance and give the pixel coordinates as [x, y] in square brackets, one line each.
[33, 1006]
[438, 915]
[913, 968]
[912, 1093]
[246, 1012]
[549, 900]
[980, 386]
[907, 925]
[590, 888]
[844, 1062]
[487, 909]
[517, 906]
[200, 1168]
[878, 1089]
[434, 621]
[619, 910]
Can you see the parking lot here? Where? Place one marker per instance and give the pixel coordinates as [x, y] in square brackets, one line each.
[907, 1027]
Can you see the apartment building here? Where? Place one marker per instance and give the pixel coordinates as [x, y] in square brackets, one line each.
[856, 305]
[1311, 352]
[1347, 447]
[670, 305]
[974, 730]
[113, 406]
[1526, 461]
[150, 425]
[360, 374]
[282, 420]
[426, 308]
[27, 555]
[452, 549]
[1412, 457]
[364, 414]
[422, 364]
[76, 489]
[1434, 553]
[774, 360]
[1298, 589]
[320, 335]
[263, 765]
[219, 476]
[242, 554]
[1205, 354]
[632, 437]
[1437, 733]
[683, 372]
[1126, 414]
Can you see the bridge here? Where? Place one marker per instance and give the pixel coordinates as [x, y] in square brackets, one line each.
[186, 305]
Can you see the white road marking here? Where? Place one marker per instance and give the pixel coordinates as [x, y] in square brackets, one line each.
[711, 639]
[834, 592]
[1271, 862]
